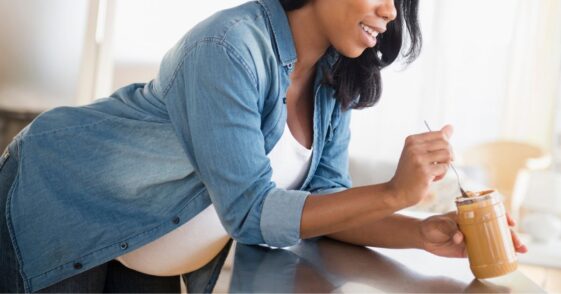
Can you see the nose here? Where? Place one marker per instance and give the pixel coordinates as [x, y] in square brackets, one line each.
[386, 10]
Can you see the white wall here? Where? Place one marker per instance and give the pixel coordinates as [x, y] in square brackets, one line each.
[471, 74]
[40, 48]
[146, 29]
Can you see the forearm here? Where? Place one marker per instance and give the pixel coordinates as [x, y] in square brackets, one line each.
[346, 210]
[394, 231]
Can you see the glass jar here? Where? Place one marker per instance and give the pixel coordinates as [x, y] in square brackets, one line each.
[482, 220]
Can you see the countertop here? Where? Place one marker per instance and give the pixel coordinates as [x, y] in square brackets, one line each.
[325, 265]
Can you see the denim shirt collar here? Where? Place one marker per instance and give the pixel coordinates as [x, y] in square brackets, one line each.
[281, 32]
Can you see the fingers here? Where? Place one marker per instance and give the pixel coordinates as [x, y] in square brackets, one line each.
[443, 231]
[429, 151]
[518, 246]
[448, 130]
[443, 134]
[448, 230]
[450, 225]
[440, 156]
[458, 237]
[438, 178]
[434, 145]
[424, 158]
[461, 251]
[433, 165]
[465, 252]
[511, 222]
[438, 171]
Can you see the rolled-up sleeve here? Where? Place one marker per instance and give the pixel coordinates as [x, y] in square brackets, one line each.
[280, 220]
[214, 106]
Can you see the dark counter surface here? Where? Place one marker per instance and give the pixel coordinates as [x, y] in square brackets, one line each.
[325, 265]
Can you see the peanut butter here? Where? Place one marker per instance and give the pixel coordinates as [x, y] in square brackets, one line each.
[482, 220]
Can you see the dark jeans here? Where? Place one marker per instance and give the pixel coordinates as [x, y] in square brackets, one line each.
[111, 277]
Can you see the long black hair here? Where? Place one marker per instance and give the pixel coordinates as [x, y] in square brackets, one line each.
[357, 81]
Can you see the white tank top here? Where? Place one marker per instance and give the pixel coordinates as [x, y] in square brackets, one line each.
[195, 243]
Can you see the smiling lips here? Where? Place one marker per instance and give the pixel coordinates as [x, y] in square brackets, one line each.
[369, 30]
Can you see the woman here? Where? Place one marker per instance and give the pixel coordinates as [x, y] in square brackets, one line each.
[243, 134]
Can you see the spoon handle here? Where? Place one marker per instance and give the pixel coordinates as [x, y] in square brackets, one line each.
[464, 194]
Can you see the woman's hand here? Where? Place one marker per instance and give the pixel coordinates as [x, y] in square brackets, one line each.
[424, 159]
[440, 235]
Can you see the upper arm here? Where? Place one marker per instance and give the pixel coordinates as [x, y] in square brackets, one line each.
[214, 106]
[332, 173]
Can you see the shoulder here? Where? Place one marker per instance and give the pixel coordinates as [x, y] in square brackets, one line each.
[239, 25]
[240, 34]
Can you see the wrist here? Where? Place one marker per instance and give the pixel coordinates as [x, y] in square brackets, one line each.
[393, 197]
[419, 240]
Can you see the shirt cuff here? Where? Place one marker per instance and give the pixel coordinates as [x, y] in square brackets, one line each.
[281, 216]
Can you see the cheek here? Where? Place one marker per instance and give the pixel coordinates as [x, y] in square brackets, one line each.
[340, 25]
[347, 41]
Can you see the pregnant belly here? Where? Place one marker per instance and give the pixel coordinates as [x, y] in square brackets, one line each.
[182, 250]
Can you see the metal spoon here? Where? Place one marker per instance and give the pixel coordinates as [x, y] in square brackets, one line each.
[464, 194]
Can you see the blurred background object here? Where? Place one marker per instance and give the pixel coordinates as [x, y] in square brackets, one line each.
[40, 57]
[502, 160]
[539, 195]
[41, 49]
[50, 56]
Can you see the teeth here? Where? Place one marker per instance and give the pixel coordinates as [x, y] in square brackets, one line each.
[369, 30]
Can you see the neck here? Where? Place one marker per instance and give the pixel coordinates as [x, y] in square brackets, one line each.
[310, 42]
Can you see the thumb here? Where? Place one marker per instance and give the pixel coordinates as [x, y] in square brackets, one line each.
[439, 229]
[448, 130]
[458, 237]
[449, 228]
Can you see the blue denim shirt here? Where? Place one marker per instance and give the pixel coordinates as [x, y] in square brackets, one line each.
[97, 181]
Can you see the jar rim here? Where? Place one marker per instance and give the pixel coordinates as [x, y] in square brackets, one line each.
[480, 196]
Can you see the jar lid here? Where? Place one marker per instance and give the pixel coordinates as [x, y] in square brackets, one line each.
[475, 197]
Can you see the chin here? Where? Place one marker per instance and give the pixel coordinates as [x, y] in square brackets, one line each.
[349, 49]
[352, 52]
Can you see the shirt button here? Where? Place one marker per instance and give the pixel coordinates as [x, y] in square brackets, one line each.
[176, 220]
[284, 100]
[77, 266]
[124, 245]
